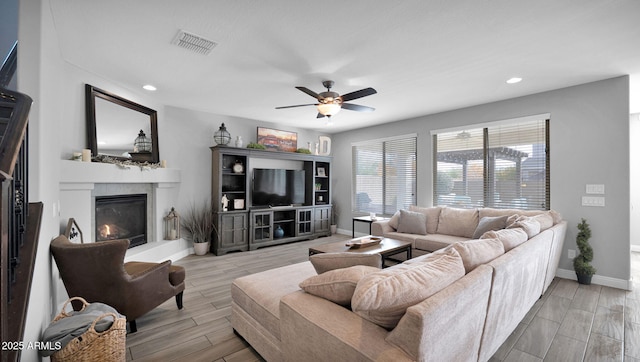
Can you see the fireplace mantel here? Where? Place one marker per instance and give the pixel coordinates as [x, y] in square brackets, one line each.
[95, 172]
[79, 182]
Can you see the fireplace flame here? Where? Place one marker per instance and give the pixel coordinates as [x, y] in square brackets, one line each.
[110, 232]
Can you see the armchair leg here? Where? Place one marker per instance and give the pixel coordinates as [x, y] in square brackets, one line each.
[133, 328]
[179, 300]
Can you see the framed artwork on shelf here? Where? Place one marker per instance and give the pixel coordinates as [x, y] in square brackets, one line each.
[321, 172]
[277, 140]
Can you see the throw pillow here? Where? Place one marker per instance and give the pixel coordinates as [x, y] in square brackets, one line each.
[383, 297]
[393, 222]
[432, 214]
[510, 238]
[412, 222]
[477, 252]
[490, 223]
[530, 225]
[458, 222]
[337, 285]
[329, 261]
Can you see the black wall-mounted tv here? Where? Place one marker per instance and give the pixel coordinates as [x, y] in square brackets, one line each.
[277, 187]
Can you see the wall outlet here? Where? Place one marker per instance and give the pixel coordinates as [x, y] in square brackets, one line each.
[572, 254]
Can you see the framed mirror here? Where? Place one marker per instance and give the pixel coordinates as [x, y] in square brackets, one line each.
[114, 125]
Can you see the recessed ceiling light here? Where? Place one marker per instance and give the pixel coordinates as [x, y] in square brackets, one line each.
[514, 80]
[149, 87]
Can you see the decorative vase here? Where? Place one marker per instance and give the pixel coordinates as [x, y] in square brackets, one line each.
[584, 278]
[278, 232]
[239, 142]
[201, 248]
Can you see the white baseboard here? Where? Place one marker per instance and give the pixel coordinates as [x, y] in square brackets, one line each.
[597, 279]
[635, 248]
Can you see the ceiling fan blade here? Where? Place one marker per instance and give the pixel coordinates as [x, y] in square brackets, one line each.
[320, 115]
[298, 105]
[357, 107]
[358, 94]
[309, 92]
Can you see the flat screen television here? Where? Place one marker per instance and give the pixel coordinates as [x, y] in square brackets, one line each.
[277, 187]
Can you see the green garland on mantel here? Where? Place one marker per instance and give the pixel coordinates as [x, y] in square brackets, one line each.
[126, 164]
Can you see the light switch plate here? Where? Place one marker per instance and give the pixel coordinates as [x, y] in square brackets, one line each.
[593, 201]
[595, 189]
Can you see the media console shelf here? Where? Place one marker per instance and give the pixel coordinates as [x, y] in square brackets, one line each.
[241, 226]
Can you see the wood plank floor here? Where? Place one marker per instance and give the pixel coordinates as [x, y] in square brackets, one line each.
[571, 322]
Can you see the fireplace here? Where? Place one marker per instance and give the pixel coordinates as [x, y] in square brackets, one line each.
[122, 217]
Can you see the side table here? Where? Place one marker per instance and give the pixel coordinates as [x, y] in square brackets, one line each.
[365, 219]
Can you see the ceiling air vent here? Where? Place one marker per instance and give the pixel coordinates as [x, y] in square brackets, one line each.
[193, 42]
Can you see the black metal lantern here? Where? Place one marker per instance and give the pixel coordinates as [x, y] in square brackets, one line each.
[172, 225]
[222, 136]
[142, 143]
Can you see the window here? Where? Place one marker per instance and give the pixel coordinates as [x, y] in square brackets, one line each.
[384, 175]
[502, 165]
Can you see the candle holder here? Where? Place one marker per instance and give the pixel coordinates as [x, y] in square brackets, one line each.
[172, 225]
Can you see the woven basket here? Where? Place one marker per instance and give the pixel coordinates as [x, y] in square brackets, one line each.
[91, 345]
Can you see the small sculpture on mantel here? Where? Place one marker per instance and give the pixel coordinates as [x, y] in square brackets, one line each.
[225, 202]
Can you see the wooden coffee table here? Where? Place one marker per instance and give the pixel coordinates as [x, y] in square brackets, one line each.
[386, 248]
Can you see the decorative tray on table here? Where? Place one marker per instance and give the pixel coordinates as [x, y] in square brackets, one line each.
[364, 242]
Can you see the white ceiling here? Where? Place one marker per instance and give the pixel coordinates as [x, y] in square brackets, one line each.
[422, 57]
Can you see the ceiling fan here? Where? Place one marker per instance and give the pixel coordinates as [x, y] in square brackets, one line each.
[330, 103]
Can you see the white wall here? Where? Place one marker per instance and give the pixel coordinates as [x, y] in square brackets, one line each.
[634, 167]
[589, 145]
[190, 134]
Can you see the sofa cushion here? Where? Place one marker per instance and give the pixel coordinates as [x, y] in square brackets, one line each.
[458, 222]
[489, 211]
[329, 261]
[433, 242]
[263, 304]
[557, 217]
[490, 223]
[384, 296]
[530, 225]
[401, 236]
[412, 222]
[432, 214]
[545, 219]
[478, 251]
[510, 238]
[337, 285]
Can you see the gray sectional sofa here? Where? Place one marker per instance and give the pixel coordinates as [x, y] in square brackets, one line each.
[471, 293]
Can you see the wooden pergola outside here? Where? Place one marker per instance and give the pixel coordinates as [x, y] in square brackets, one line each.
[463, 157]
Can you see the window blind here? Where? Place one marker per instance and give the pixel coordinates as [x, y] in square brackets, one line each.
[505, 165]
[384, 175]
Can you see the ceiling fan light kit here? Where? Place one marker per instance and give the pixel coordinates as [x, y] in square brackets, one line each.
[330, 103]
[329, 109]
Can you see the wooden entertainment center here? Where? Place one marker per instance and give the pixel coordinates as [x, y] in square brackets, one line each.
[242, 225]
